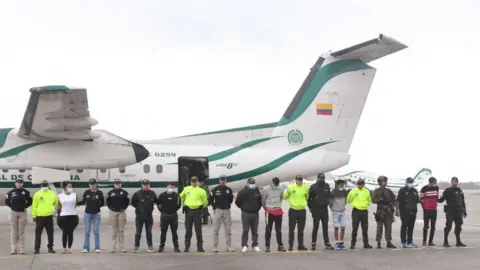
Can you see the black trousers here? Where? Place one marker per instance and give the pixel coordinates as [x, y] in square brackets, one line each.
[271, 219]
[296, 217]
[250, 222]
[359, 218]
[320, 215]
[171, 221]
[141, 221]
[429, 218]
[47, 223]
[193, 217]
[408, 224]
[205, 215]
[453, 215]
[67, 224]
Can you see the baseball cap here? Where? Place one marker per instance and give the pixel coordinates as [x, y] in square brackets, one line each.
[251, 181]
[299, 178]
[223, 177]
[92, 181]
[145, 182]
[44, 183]
[117, 181]
[361, 181]
[19, 181]
[409, 180]
[193, 179]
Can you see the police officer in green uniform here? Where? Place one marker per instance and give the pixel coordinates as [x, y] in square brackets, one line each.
[194, 199]
[384, 198]
[205, 213]
[45, 201]
[455, 210]
[297, 195]
[360, 199]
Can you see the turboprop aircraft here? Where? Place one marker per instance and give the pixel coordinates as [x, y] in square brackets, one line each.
[313, 135]
[420, 179]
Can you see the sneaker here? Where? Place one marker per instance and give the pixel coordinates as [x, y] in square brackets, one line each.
[135, 249]
[230, 249]
[97, 250]
[342, 245]
[411, 245]
[338, 246]
[64, 250]
[328, 246]
[267, 249]
[124, 250]
[404, 245]
[245, 249]
[424, 244]
[390, 245]
[257, 249]
[85, 250]
[51, 251]
[69, 250]
[281, 249]
[112, 250]
[161, 249]
[151, 249]
[37, 251]
[215, 250]
[460, 244]
[13, 252]
[431, 244]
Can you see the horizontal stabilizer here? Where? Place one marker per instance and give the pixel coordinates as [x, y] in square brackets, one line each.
[370, 50]
[51, 175]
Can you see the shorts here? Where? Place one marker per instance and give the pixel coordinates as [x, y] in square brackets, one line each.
[339, 219]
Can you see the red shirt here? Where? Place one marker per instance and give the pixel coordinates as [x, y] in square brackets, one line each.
[275, 212]
[429, 197]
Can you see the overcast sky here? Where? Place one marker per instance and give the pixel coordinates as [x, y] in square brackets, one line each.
[153, 67]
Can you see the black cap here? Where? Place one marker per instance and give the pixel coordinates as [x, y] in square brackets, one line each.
[321, 176]
[117, 181]
[298, 178]
[361, 181]
[251, 181]
[92, 181]
[409, 180]
[19, 181]
[222, 177]
[44, 183]
[382, 178]
[432, 180]
[145, 181]
[340, 181]
[454, 178]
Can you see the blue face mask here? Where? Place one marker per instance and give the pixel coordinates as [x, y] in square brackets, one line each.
[170, 190]
[251, 186]
[410, 185]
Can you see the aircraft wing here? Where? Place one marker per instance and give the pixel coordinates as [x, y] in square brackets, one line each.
[58, 113]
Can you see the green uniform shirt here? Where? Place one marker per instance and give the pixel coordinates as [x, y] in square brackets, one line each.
[297, 196]
[44, 203]
[194, 197]
[359, 198]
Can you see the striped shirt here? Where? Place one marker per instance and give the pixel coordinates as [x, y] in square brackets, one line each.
[429, 197]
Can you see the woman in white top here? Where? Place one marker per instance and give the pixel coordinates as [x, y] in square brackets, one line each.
[67, 218]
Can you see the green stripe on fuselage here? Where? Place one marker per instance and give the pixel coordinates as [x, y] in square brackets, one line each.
[17, 150]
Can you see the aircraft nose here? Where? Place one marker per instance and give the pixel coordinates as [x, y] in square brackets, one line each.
[141, 153]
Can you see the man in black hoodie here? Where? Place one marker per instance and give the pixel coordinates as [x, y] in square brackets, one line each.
[249, 200]
[318, 201]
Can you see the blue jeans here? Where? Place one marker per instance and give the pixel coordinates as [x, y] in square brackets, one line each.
[89, 219]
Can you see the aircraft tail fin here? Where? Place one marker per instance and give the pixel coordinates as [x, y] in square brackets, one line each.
[328, 105]
[422, 176]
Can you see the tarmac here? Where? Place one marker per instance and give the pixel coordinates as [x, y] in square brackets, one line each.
[407, 258]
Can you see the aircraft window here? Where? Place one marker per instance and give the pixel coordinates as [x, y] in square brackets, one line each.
[21, 170]
[79, 170]
[5, 170]
[103, 170]
[159, 168]
[121, 169]
[146, 168]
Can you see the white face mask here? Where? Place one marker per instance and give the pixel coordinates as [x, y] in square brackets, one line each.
[44, 188]
[69, 190]
[170, 190]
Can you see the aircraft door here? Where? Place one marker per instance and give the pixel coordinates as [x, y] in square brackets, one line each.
[183, 178]
[103, 175]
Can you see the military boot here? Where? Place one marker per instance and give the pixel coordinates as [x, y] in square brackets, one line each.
[390, 245]
[379, 245]
[459, 243]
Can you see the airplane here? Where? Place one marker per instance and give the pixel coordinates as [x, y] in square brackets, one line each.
[395, 184]
[313, 135]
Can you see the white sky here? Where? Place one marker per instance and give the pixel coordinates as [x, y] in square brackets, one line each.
[153, 67]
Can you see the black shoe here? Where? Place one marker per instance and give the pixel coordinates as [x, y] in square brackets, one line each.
[267, 249]
[37, 251]
[352, 247]
[200, 250]
[302, 248]
[328, 246]
[460, 244]
[161, 249]
[176, 249]
[51, 250]
[431, 244]
[445, 244]
[290, 248]
[186, 250]
[281, 249]
[314, 246]
[390, 245]
[379, 245]
[367, 246]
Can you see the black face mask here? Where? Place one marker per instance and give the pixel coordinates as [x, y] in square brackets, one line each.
[276, 182]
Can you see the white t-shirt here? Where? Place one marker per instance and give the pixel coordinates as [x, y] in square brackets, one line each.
[69, 202]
